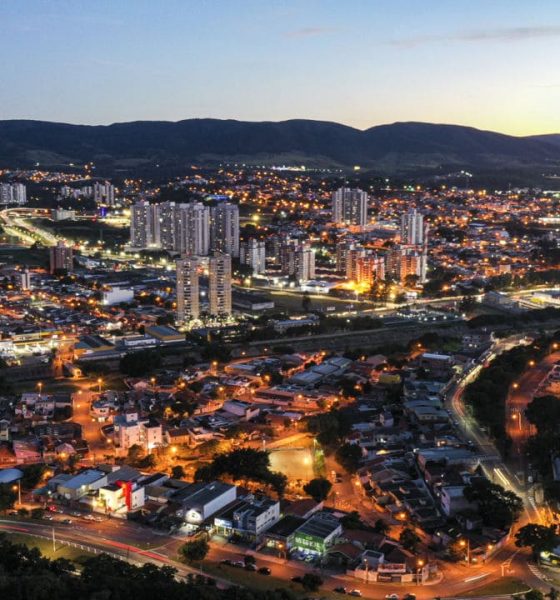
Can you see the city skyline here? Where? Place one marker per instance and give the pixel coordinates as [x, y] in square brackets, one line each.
[486, 66]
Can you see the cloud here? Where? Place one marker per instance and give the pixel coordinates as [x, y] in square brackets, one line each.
[306, 32]
[511, 34]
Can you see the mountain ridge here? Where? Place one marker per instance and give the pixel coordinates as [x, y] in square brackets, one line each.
[399, 147]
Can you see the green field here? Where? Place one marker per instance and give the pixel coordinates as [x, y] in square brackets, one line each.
[46, 548]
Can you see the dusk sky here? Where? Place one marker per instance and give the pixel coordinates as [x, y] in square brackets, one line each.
[492, 64]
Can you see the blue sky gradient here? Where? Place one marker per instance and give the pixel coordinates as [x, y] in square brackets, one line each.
[492, 64]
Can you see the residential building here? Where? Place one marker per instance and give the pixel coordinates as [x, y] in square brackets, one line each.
[412, 228]
[220, 284]
[253, 254]
[61, 258]
[188, 300]
[224, 228]
[349, 207]
[144, 225]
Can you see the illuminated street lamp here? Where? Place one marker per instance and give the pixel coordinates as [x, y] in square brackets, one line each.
[419, 565]
[467, 545]
[17, 488]
[99, 382]
[40, 386]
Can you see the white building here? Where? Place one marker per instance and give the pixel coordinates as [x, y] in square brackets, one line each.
[412, 228]
[188, 300]
[253, 254]
[13, 193]
[224, 228]
[349, 207]
[117, 294]
[220, 284]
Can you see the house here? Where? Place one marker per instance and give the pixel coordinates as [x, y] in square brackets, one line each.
[244, 410]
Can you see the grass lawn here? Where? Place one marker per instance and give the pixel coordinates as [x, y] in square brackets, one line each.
[501, 587]
[45, 546]
[259, 582]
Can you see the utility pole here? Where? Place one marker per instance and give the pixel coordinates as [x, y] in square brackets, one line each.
[53, 541]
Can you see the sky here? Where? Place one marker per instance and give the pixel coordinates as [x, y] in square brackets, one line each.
[491, 64]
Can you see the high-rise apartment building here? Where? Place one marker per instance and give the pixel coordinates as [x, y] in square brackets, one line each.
[144, 225]
[412, 228]
[104, 193]
[224, 228]
[181, 228]
[188, 300]
[370, 269]
[219, 284]
[25, 280]
[349, 207]
[61, 258]
[298, 261]
[13, 193]
[253, 254]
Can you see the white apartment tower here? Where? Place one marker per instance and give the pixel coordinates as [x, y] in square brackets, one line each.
[349, 207]
[188, 301]
[412, 228]
[253, 254]
[144, 225]
[220, 284]
[224, 228]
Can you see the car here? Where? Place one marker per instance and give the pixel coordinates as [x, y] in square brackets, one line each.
[13, 513]
[238, 563]
[48, 517]
[250, 567]
[226, 561]
[355, 593]
[89, 518]
[392, 597]
[340, 590]
[409, 597]
[67, 521]
[264, 571]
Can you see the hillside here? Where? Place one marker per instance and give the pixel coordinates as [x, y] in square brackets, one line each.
[394, 148]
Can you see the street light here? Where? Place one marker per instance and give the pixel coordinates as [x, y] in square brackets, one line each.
[466, 544]
[99, 382]
[17, 488]
[419, 565]
[40, 386]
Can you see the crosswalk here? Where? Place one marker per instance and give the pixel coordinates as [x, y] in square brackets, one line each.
[537, 572]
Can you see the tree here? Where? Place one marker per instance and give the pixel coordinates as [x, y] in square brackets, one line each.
[311, 582]
[194, 551]
[349, 457]
[352, 521]
[533, 595]
[537, 537]
[7, 497]
[409, 539]
[177, 472]
[23, 512]
[37, 513]
[544, 413]
[498, 507]
[135, 454]
[318, 489]
[381, 526]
